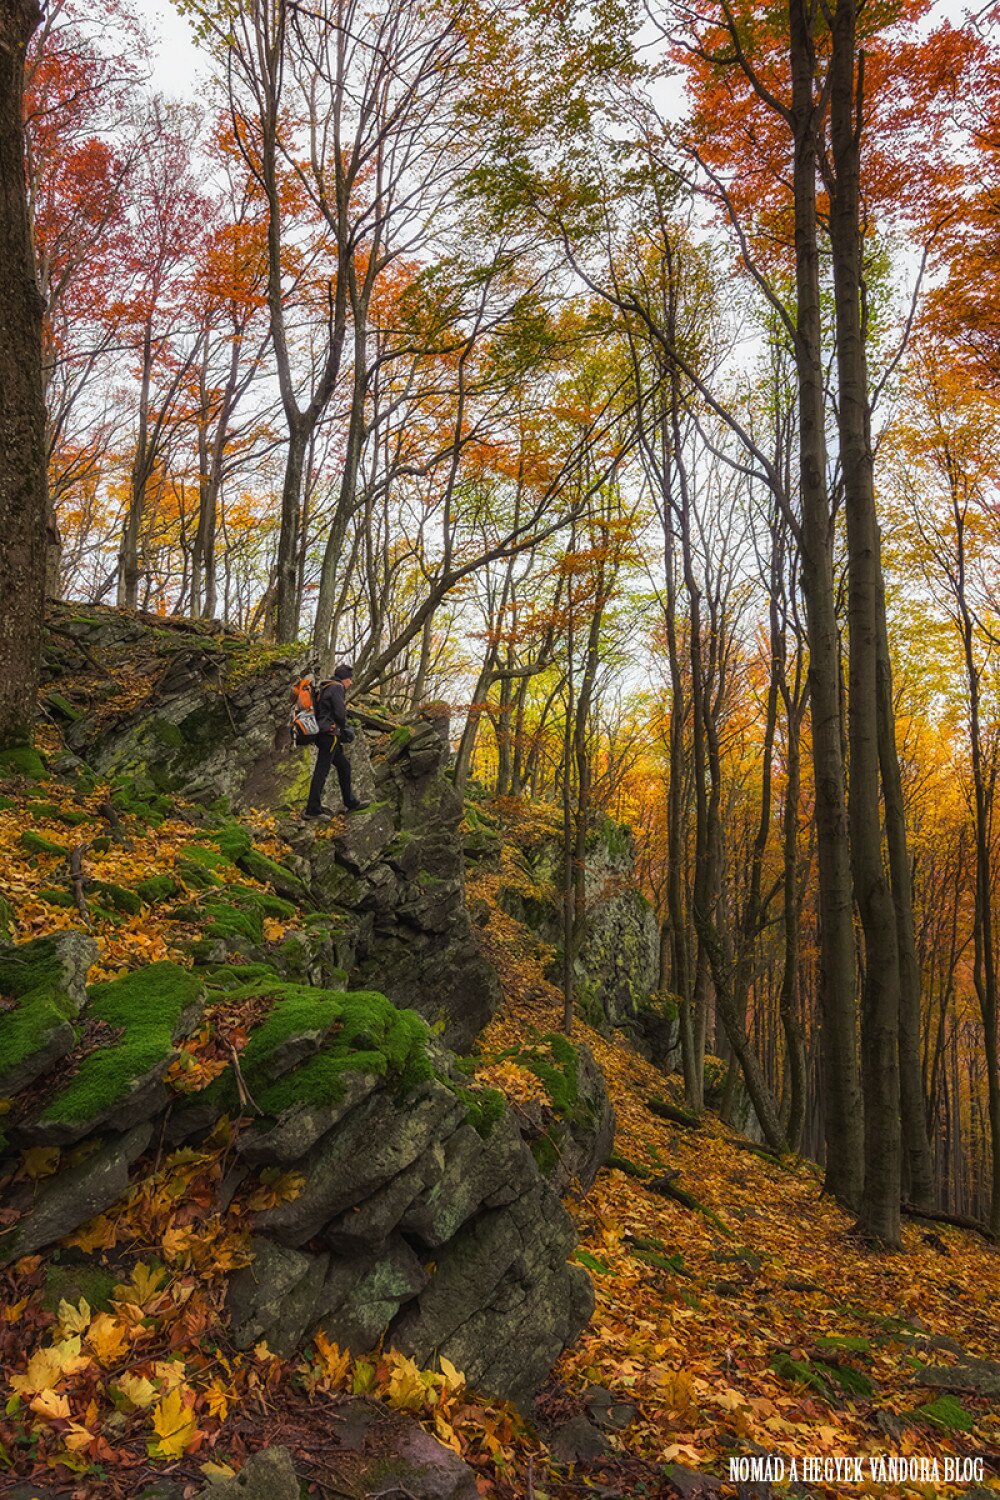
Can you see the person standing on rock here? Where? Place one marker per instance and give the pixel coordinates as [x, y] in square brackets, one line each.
[331, 716]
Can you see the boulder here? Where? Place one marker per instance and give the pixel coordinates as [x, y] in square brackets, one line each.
[377, 1141]
[43, 987]
[275, 1297]
[62, 1203]
[267, 1475]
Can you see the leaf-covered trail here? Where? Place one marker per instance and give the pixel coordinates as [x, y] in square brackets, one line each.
[783, 1334]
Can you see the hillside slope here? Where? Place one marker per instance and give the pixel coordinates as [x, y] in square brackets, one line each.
[735, 1315]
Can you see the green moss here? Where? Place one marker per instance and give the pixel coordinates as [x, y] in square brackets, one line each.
[208, 859]
[22, 760]
[234, 976]
[630, 1168]
[102, 844]
[147, 1006]
[197, 876]
[401, 737]
[553, 1061]
[31, 975]
[52, 896]
[233, 841]
[6, 919]
[119, 897]
[63, 706]
[71, 1282]
[6, 803]
[166, 732]
[157, 888]
[948, 1413]
[269, 872]
[140, 800]
[364, 1032]
[72, 818]
[34, 843]
[484, 1107]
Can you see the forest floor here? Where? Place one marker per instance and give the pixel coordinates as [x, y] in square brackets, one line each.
[757, 1326]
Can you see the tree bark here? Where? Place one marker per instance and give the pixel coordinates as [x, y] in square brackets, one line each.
[879, 1214]
[23, 479]
[842, 1090]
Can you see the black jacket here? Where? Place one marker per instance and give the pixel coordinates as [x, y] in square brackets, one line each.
[331, 708]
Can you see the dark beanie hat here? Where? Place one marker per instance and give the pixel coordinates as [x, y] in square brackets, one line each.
[344, 670]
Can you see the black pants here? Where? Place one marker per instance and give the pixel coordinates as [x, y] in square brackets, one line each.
[329, 752]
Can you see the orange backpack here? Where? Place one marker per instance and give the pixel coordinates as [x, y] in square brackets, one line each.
[304, 725]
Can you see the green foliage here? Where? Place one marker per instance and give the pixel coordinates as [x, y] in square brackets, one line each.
[146, 1006]
[118, 897]
[591, 1262]
[483, 1106]
[52, 813]
[630, 1168]
[70, 1282]
[53, 896]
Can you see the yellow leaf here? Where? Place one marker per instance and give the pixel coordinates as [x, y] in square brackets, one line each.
[41, 1161]
[334, 1363]
[446, 1433]
[77, 1437]
[174, 1425]
[407, 1391]
[74, 1319]
[137, 1390]
[217, 1398]
[47, 1366]
[218, 1471]
[107, 1337]
[50, 1406]
[170, 1371]
[454, 1379]
[262, 1351]
[12, 1314]
[146, 1281]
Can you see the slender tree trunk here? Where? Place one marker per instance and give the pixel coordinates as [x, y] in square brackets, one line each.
[23, 480]
[880, 1018]
[837, 978]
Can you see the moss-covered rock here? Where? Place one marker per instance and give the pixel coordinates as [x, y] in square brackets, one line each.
[22, 760]
[157, 888]
[46, 980]
[136, 1019]
[36, 844]
[117, 897]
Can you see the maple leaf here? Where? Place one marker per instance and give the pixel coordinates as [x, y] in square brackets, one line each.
[12, 1314]
[77, 1437]
[174, 1425]
[74, 1319]
[138, 1391]
[107, 1336]
[335, 1363]
[47, 1366]
[407, 1391]
[52, 1407]
[217, 1398]
[454, 1379]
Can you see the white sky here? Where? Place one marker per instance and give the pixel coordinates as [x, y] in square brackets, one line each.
[178, 66]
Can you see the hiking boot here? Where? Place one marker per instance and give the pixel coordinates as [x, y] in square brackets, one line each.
[324, 812]
[356, 805]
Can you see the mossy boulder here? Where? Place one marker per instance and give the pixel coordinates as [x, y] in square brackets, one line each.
[37, 844]
[42, 991]
[157, 888]
[129, 1029]
[573, 1136]
[23, 761]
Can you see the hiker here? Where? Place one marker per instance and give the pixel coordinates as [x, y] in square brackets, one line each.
[333, 734]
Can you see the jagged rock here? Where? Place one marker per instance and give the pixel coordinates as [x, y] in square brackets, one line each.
[577, 1441]
[268, 1475]
[591, 1132]
[502, 1301]
[380, 1452]
[364, 1292]
[366, 835]
[493, 1171]
[62, 1203]
[608, 1410]
[376, 1142]
[275, 1298]
[979, 1377]
[443, 977]
[43, 987]
[298, 1130]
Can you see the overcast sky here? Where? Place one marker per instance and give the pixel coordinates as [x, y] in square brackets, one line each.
[178, 65]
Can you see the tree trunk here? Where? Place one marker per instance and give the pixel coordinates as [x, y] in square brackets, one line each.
[842, 1091]
[879, 1216]
[23, 480]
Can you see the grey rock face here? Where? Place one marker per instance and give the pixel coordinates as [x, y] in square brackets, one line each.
[64, 1202]
[275, 1297]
